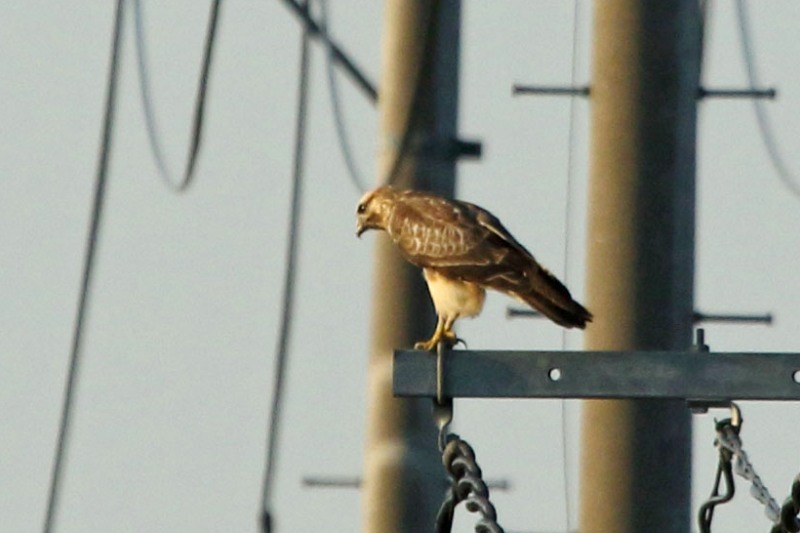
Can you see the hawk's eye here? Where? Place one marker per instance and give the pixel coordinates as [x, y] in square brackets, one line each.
[361, 208]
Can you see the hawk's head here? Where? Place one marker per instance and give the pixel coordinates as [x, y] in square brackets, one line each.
[374, 209]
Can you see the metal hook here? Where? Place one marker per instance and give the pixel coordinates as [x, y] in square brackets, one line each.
[440, 350]
[736, 416]
[442, 407]
[442, 416]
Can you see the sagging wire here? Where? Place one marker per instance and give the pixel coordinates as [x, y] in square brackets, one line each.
[73, 371]
[334, 54]
[404, 144]
[182, 184]
[791, 182]
[356, 176]
[282, 349]
[705, 515]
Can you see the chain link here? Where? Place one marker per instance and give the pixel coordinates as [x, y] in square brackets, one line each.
[728, 438]
[786, 519]
[468, 486]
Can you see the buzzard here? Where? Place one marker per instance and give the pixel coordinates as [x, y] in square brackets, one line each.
[463, 250]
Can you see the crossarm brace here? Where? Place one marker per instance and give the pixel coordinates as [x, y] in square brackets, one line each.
[590, 374]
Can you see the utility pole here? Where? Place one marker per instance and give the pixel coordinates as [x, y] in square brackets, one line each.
[636, 464]
[403, 472]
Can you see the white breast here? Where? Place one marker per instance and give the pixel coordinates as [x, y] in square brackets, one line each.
[453, 298]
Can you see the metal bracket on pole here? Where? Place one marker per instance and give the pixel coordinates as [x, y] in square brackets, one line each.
[692, 376]
[354, 482]
[702, 92]
[769, 94]
[698, 317]
[448, 149]
[549, 90]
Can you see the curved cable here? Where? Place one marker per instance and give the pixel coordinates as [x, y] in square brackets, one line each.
[356, 177]
[288, 288]
[199, 108]
[413, 109]
[764, 125]
[86, 280]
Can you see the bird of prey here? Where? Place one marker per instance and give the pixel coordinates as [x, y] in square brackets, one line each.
[463, 250]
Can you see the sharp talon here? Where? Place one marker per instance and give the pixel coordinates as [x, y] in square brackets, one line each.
[449, 337]
[427, 346]
[445, 336]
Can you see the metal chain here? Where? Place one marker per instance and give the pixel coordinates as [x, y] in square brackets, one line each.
[786, 519]
[790, 511]
[468, 486]
[728, 438]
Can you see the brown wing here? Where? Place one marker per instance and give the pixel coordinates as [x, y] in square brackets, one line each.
[463, 241]
[436, 232]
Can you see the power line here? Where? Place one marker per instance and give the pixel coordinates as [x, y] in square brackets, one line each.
[335, 54]
[342, 59]
[413, 111]
[567, 229]
[288, 289]
[89, 259]
[199, 108]
[764, 125]
[356, 177]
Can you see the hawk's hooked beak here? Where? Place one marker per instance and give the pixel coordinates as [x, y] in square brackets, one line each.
[365, 221]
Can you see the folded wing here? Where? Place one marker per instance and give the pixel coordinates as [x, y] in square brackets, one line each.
[465, 242]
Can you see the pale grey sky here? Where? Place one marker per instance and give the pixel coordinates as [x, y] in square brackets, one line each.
[172, 405]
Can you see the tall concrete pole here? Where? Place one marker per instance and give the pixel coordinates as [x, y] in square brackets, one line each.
[403, 474]
[635, 463]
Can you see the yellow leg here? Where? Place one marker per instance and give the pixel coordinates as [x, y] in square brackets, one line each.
[449, 335]
[443, 333]
[430, 344]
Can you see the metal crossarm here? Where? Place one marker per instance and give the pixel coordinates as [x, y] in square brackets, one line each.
[686, 375]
